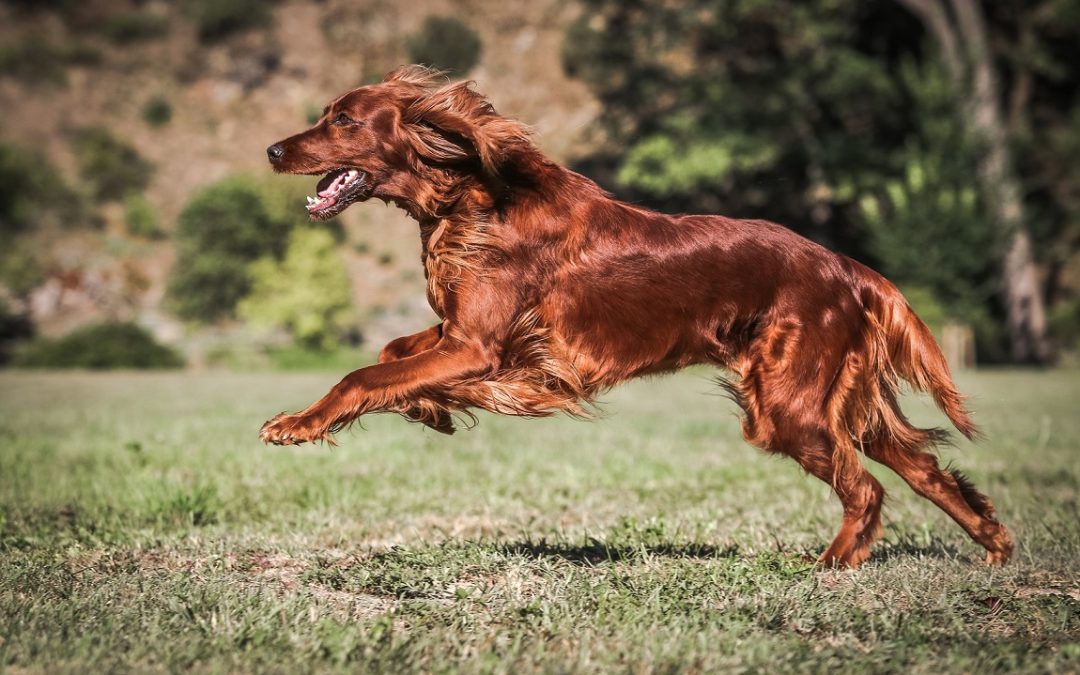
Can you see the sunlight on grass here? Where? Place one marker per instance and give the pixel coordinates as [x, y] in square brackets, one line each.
[144, 527]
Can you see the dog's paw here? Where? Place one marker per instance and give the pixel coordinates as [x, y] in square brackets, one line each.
[294, 430]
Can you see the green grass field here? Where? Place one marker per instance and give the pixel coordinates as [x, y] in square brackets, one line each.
[143, 527]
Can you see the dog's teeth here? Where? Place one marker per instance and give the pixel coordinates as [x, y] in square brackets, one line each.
[310, 200]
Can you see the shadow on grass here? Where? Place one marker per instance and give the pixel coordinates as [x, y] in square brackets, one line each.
[595, 551]
[937, 549]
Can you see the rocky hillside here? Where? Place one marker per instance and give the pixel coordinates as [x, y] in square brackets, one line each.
[227, 98]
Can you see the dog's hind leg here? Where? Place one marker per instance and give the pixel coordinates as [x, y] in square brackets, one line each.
[950, 490]
[774, 394]
[860, 494]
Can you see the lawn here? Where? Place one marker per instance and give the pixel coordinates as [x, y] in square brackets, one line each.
[143, 527]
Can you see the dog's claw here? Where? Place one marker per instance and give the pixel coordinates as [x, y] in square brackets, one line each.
[285, 429]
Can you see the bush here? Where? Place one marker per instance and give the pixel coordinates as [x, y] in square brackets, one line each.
[217, 19]
[32, 190]
[100, 347]
[446, 43]
[222, 230]
[1065, 324]
[307, 293]
[110, 166]
[13, 328]
[157, 112]
[140, 217]
[21, 266]
[26, 182]
[131, 27]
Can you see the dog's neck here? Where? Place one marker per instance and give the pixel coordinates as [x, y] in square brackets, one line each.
[458, 199]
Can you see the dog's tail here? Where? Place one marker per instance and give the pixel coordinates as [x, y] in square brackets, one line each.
[912, 353]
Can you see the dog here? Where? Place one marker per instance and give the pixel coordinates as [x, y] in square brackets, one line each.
[550, 291]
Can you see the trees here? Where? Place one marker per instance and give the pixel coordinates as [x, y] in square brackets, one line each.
[778, 109]
[843, 121]
[959, 29]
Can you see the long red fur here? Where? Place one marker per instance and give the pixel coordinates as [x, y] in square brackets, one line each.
[551, 291]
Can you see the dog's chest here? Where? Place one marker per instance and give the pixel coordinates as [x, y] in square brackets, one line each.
[449, 252]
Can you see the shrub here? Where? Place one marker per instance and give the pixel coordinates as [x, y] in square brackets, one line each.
[217, 19]
[446, 43]
[100, 347]
[222, 230]
[26, 181]
[13, 328]
[307, 293]
[110, 166]
[21, 267]
[140, 217]
[131, 27]
[157, 112]
[31, 189]
[1065, 324]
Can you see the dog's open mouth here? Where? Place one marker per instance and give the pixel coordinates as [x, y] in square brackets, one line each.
[335, 191]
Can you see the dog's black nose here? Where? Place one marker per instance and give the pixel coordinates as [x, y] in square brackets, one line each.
[275, 153]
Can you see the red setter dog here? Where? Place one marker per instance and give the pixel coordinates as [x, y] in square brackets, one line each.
[551, 292]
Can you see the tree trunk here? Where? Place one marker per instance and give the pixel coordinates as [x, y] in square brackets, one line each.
[962, 39]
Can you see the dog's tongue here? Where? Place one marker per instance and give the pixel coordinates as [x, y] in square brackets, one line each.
[330, 183]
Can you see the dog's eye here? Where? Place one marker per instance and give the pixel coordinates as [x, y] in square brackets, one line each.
[342, 119]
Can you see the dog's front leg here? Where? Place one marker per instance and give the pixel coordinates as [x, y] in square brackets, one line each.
[388, 386]
[408, 345]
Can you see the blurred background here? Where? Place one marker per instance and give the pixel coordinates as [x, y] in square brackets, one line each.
[934, 140]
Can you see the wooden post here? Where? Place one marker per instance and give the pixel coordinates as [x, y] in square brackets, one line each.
[958, 345]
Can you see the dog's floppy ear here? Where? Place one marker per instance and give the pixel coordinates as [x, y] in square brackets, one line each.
[455, 124]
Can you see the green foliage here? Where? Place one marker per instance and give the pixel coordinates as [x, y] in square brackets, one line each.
[447, 43]
[110, 166]
[753, 107]
[21, 265]
[307, 292]
[14, 327]
[816, 115]
[27, 187]
[157, 112]
[223, 228]
[929, 227]
[100, 347]
[663, 166]
[1065, 324]
[129, 27]
[140, 217]
[218, 19]
[934, 314]
[33, 192]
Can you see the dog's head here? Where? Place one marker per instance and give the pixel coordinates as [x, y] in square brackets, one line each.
[401, 140]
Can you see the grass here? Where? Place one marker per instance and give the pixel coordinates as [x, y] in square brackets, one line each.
[143, 527]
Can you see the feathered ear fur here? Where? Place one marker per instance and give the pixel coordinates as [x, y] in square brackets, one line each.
[453, 123]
